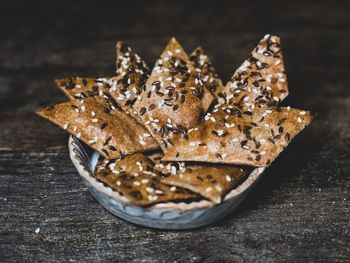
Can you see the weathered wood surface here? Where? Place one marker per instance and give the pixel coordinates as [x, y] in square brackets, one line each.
[299, 212]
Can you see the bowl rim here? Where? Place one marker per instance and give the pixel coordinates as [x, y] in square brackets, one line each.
[74, 144]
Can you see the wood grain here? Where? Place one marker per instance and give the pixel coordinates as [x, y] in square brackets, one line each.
[299, 212]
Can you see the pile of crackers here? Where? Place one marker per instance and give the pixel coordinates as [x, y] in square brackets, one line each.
[176, 132]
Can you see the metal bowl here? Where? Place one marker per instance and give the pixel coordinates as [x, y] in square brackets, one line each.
[165, 215]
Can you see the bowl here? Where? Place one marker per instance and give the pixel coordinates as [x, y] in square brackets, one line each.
[164, 215]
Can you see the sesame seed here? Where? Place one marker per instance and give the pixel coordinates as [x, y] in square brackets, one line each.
[234, 140]
[209, 189]
[218, 187]
[65, 126]
[152, 197]
[149, 189]
[173, 170]
[228, 178]
[173, 188]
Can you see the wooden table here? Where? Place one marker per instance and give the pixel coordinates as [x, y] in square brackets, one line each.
[298, 213]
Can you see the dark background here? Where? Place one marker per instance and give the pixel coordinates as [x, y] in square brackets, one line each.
[298, 213]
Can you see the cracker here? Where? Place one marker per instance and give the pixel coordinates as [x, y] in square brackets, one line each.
[172, 101]
[261, 80]
[213, 182]
[109, 131]
[231, 135]
[207, 72]
[80, 88]
[134, 178]
[131, 75]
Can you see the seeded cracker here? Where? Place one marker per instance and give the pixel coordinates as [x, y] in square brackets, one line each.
[110, 132]
[134, 178]
[206, 72]
[211, 181]
[172, 101]
[230, 135]
[78, 88]
[130, 78]
[261, 80]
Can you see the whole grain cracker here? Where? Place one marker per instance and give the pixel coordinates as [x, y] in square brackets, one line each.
[261, 80]
[232, 135]
[173, 99]
[207, 72]
[212, 182]
[109, 131]
[135, 178]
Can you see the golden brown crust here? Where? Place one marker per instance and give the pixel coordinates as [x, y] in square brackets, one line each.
[213, 182]
[80, 88]
[206, 72]
[131, 75]
[230, 135]
[135, 178]
[109, 131]
[173, 96]
[261, 80]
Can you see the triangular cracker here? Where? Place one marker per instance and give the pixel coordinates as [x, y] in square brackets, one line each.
[211, 181]
[79, 88]
[172, 101]
[134, 178]
[131, 76]
[261, 80]
[231, 135]
[207, 72]
[109, 131]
